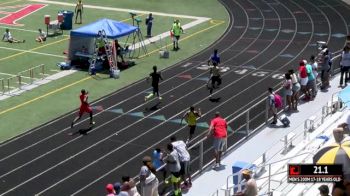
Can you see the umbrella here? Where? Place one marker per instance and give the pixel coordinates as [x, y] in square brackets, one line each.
[344, 95]
[335, 154]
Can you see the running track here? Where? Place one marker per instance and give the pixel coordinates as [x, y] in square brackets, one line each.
[264, 39]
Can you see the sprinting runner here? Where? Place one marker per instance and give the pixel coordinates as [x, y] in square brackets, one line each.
[79, 11]
[84, 107]
[191, 120]
[215, 77]
[155, 84]
[214, 58]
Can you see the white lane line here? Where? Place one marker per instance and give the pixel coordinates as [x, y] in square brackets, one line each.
[120, 9]
[186, 65]
[32, 52]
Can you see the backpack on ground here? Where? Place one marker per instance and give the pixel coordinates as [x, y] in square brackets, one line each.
[278, 101]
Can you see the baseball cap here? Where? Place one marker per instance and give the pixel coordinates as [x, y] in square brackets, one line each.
[110, 188]
[246, 172]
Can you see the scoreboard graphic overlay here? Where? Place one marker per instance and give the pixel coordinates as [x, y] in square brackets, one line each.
[314, 173]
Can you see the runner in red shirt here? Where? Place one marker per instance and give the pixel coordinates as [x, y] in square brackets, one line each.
[218, 128]
[84, 107]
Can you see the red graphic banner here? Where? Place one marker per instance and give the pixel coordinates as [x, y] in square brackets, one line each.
[12, 17]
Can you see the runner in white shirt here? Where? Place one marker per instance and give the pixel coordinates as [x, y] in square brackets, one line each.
[185, 158]
[7, 37]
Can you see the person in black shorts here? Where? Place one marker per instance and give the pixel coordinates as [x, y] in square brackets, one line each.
[78, 11]
[156, 76]
[214, 77]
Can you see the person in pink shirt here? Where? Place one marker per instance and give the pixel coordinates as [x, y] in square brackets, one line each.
[218, 128]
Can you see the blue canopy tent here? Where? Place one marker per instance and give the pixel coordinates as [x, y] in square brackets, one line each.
[84, 37]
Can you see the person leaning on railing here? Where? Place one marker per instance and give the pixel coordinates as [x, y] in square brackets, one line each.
[148, 180]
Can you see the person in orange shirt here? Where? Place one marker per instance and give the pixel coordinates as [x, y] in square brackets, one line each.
[218, 129]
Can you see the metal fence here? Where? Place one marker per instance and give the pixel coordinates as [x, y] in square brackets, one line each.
[9, 86]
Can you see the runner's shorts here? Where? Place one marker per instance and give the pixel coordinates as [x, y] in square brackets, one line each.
[219, 144]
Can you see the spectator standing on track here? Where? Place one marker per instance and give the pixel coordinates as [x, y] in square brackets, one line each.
[129, 186]
[84, 107]
[156, 76]
[174, 168]
[149, 23]
[303, 77]
[250, 189]
[272, 107]
[7, 37]
[218, 129]
[148, 180]
[42, 36]
[191, 120]
[295, 89]
[185, 158]
[176, 31]
[311, 82]
[344, 66]
[287, 87]
[79, 11]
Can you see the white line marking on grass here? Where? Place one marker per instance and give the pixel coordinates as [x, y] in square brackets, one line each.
[119, 9]
[32, 52]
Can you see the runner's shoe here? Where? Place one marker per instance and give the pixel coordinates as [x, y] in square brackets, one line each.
[72, 125]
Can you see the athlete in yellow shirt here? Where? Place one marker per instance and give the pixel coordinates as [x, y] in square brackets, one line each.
[191, 120]
[176, 30]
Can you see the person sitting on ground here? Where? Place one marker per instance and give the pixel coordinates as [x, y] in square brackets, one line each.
[7, 37]
[251, 189]
[42, 36]
[324, 190]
